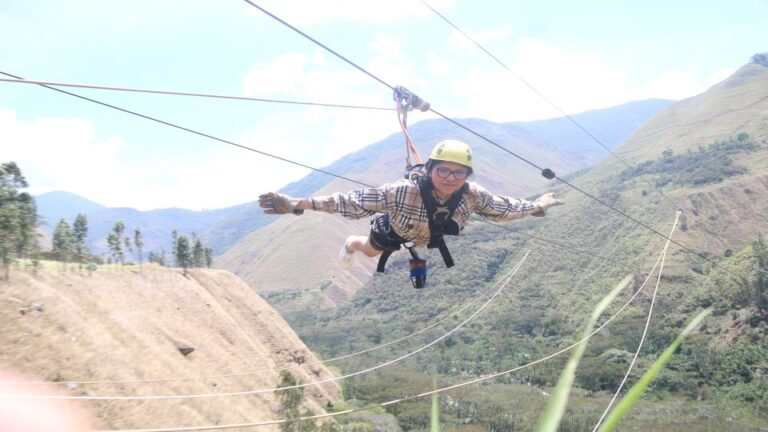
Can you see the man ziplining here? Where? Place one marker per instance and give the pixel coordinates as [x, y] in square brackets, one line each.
[417, 211]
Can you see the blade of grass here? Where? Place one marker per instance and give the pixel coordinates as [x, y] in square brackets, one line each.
[550, 420]
[634, 393]
[435, 417]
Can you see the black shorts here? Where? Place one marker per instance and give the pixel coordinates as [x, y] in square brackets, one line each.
[382, 237]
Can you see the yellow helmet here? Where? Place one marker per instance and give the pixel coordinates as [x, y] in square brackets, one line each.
[452, 151]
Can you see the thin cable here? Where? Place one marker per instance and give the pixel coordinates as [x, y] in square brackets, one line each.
[253, 372]
[645, 330]
[264, 153]
[507, 279]
[407, 398]
[318, 43]
[473, 132]
[541, 95]
[186, 129]
[178, 93]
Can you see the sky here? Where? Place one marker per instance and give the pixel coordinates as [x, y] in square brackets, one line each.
[577, 56]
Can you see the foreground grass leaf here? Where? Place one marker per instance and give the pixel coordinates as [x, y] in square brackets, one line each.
[550, 420]
[634, 393]
[435, 417]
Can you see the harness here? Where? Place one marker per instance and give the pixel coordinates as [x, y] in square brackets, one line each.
[440, 224]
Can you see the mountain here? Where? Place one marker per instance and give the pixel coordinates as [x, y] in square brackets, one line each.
[707, 156]
[267, 258]
[155, 225]
[57, 205]
[611, 127]
[127, 326]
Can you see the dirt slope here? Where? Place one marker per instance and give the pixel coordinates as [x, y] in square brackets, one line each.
[126, 325]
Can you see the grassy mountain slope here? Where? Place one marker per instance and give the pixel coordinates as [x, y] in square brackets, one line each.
[314, 241]
[720, 185]
[126, 324]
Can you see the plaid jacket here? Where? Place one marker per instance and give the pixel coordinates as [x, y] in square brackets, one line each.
[408, 215]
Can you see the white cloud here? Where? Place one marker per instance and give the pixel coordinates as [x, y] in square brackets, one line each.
[542, 75]
[332, 133]
[439, 65]
[64, 154]
[676, 85]
[61, 153]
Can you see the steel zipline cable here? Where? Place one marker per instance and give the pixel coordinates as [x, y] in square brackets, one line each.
[263, 153]
[193, 131]
[502, 285]
[193, 94]
[471, 131]
[545, 98]
[661, 258]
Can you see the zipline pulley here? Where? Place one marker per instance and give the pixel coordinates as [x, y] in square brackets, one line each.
[406, 101]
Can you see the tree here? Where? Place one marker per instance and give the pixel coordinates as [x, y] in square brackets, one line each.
[18, 217]
[183, 254]
[760, 59]
[208, 257]
[115, 243]
[127, 243]
[157, 258]
[80, 232]
[290, 402]
[63, 242]
[138, 241]
[198, 253]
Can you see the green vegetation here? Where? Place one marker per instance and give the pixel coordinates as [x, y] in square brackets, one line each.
[553, 414]
[556, 289]
[290, 404]
[634, 393]
[18, 218]
[189, 253]
[760, 59]
[707, 165]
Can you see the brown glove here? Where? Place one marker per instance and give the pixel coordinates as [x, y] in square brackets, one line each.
[544, 202]
[275, 203]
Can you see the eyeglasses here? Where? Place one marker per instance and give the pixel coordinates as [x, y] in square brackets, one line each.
[444, 172]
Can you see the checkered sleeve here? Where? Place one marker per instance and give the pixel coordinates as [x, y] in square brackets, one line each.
[498, 208]
[356, 204]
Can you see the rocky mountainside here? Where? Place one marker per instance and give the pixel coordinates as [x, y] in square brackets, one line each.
[134, 327]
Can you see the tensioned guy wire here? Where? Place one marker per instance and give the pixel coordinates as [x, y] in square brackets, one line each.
[178, 93]
[507, 279]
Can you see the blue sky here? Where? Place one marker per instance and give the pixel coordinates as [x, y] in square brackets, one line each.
[580, 55]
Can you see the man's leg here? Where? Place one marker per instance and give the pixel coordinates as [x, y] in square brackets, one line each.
[361, 244]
